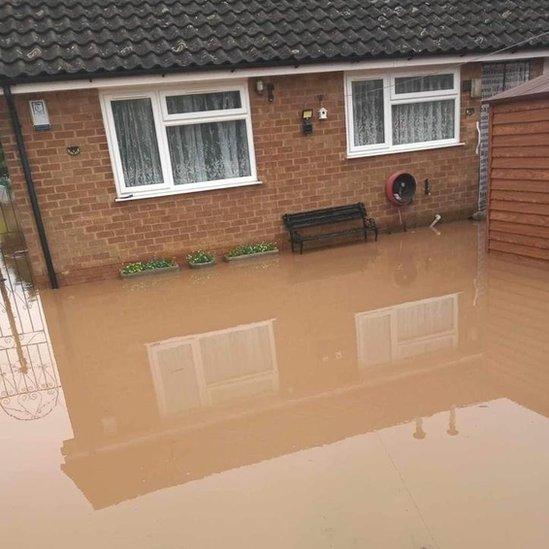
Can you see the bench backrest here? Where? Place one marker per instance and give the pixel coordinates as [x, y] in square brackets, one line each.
[324, 216]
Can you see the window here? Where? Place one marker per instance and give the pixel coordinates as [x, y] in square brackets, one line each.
[407, 330]
[214, 368]
[174, 141]
[401, 112]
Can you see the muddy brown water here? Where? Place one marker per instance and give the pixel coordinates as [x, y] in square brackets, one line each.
[390, 394]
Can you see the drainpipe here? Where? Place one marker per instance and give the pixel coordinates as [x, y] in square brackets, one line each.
[16, 126]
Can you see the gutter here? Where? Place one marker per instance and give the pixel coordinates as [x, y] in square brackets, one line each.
[124, 77]
[24, 159]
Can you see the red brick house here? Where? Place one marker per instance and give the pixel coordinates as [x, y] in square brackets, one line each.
[171, 126]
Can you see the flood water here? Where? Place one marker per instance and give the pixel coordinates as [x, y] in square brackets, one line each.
[379, 395]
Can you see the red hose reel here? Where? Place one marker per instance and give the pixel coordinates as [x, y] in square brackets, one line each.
[401, 188]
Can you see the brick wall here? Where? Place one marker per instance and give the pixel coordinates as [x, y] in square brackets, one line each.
[91, 235]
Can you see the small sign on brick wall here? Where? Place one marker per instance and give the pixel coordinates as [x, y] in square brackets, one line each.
[39, 115]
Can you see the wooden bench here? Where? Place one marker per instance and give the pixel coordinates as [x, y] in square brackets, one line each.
[328, 216]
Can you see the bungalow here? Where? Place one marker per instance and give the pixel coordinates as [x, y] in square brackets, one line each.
[154, 128]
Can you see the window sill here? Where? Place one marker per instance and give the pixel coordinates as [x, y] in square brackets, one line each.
[194, 189]
[362, 154]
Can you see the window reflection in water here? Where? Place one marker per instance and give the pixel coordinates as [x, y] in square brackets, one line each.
[213, 368]
[407, 330]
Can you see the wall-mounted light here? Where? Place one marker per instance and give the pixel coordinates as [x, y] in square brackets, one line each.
[270, 92]
[39, 115]
[307, 121]
[260, 87]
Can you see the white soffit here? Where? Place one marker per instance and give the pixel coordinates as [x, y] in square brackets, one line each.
[201, 76]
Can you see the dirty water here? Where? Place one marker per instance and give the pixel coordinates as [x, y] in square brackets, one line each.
[390, 394]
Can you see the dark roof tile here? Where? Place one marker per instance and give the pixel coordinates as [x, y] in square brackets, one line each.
[68, 37]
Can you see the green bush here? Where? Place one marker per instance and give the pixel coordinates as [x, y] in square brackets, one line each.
[151, 265]
[200, 257]
[250, 249]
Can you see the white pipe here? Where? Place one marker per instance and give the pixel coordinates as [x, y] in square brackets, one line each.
[437, 218]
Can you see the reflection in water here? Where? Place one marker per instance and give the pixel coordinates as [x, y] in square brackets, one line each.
[419, 433]
[29, 384]
[213, 368]
[363, 402]
[452, 431]
[407, 330]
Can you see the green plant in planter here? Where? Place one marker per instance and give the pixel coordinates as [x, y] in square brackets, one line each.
[152, 265]
[200, 257]
[250, 249]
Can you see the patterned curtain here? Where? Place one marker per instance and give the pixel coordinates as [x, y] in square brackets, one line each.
[200, 102]
[208, 151]
[426, 121]
[368, 112]
[137, 143]
[412, 122]
[425, 318]
[416, 84]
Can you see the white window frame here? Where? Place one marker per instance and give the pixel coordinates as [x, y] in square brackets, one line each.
[162, 121]
[390, 98]
[206, 390]
[192, 117]
[406, 348]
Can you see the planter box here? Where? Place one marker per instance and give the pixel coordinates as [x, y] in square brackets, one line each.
[201, 265]
[151, 272]
[250, 256]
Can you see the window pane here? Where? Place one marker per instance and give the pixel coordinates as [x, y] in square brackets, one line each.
[199, 102]
[177, 373]
[209, 151]
[415, 84]
[236, 354]
[368, 112]
[426, 318]
[137, 143]
[427, 121]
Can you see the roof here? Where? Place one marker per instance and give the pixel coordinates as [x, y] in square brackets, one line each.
[536, 87]
[41, 38]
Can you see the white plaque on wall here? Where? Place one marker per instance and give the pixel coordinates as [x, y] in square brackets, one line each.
[39, 114]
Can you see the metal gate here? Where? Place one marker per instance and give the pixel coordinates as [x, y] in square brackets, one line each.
[29, 382]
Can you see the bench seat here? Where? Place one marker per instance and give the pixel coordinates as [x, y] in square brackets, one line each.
[328, 216]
